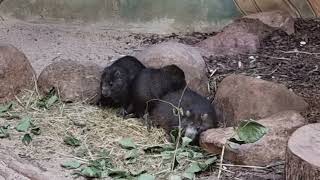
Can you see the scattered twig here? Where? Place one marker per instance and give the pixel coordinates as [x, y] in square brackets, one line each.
[243, 166]
[86, 146]
[221, 161]
[273, 57]
[74, 157]
[314, 70]
[179, 132]
[299, 52]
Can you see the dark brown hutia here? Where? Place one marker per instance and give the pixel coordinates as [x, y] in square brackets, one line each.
[197, 115]
[152, 84]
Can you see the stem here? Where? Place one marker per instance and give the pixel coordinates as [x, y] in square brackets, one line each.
[179, 132]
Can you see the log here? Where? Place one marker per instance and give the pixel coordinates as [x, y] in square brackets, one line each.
[12, 168]
[303, 154]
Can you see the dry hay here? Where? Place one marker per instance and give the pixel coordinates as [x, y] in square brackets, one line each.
[97, 129]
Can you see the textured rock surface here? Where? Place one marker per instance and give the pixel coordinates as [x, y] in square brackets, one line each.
[184, 56]
[242, 97]
[242, 36]
[74, 81]
[270, 148]
[16, 72]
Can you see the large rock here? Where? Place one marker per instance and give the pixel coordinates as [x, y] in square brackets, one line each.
[269, 149]
[276, 19]
[16, 72]
[241, 97]
[74, 81]
[242, 36]
[184, 56]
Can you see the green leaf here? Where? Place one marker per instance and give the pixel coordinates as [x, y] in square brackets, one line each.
[174, 177]
[251, 131]
[146, 177]
[182, 155]
[204, 165]
[26, 140]
[4, 131]
[36, 131]
[71, 164]
[72, 141]
[174, 135]
[132, 154]
[167, 155]
[127, 143]
[117, 173]
[5, 108]
[197, 155]
[91, 172]
[188, 175]
[210, 161]
[24, 124]
[137, 173]
[51, 101]
[193, 168]
[158, 149]
[186, 141]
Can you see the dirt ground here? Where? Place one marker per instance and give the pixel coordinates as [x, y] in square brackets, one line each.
[291, 60]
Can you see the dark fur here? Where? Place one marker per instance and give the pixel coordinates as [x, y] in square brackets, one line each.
[163, 115]
[153, 83]
[116, 81]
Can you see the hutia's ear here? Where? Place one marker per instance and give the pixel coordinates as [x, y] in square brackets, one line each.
[188, 113]
[117, 73]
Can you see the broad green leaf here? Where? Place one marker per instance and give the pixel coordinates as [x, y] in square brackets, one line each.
[146, 177]
[48, 100]
[26, 140]
[188, 175]
[127, 143]
[193, 168]
[91, 172]
[137, 173]
[167, 155]
[51, 101]
[211, 161]
[186, 141]
[251, 131]
[72, 141]
[197, 155]
[24, 124]
[5, 108]
[71, 164]
[174, 135]
[36, 131]
[102, 163]
[4, 131]
[132, 154]
[158, 149]
[207, 163]
[182, 155]
[175, 177]
[117, 173]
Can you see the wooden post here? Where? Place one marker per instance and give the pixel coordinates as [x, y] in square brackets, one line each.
[303, 154]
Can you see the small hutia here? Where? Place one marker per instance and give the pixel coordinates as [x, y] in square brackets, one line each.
[196, 113]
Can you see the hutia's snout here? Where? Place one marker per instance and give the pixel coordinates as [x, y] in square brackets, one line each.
[106, 92]
[191, 132]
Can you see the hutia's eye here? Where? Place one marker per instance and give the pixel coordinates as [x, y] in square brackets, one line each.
[110, 83]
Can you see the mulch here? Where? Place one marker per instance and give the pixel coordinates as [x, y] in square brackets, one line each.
[292, 60]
